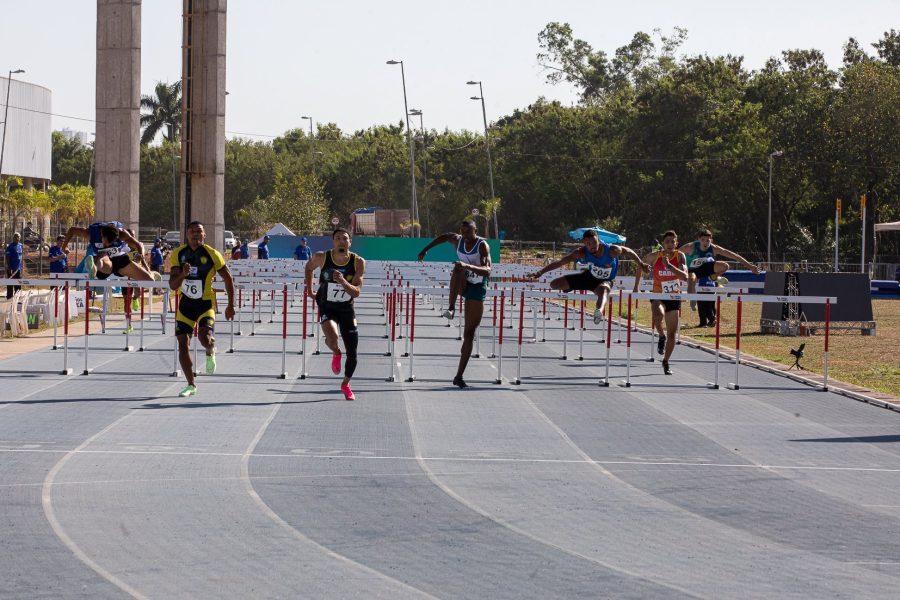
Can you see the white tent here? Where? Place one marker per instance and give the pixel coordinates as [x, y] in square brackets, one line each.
[879, 228]
[277, 229]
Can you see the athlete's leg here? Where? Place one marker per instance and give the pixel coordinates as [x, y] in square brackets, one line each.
[330, 331]
[474, 311]
[719, 268]
[692, 282]
[658, 312]
[184, 356]
[457, 285]
[602, 292]
[671, 328]
[104, 264]
[136, 272]
[207, 339]
[350, 335]
[561, 284]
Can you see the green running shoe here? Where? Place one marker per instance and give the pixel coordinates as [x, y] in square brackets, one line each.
[89, 267]
[128, 329]
[190, 390]
[211, 364]
[135, 305]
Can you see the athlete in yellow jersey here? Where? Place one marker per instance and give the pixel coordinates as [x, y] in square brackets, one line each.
[193, 267]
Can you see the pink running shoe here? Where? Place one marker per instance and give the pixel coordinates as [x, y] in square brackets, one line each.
[348, 393]
[336, 363]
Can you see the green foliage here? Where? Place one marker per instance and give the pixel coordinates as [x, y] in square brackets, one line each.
[70, 161]
[164, 112]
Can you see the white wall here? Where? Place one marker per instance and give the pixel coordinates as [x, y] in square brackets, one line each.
[27, 151]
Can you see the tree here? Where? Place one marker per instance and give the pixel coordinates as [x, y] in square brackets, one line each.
[299, 202]
[70, 160]
[165, 112]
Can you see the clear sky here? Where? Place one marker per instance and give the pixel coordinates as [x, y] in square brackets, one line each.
[326, 59]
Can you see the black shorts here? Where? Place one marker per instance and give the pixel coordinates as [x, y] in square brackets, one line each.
[194, 312]
[345, 317]
[585, 281]
[704, 270]
[122, 260]
[670, 305]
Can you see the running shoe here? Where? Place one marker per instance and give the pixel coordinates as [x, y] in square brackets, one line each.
[598, 316]
[135, 305]
[666, 368]
[128, 329]
[458, 382]
[722, 281]
[155, 276]
[336, 363]
[661, 345]
[211, 364]
[348, 393]
[189, 390]
[89, 267]
[449, 314]
[693, 305]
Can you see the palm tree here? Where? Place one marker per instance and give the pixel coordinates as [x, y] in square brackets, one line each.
[165, 111]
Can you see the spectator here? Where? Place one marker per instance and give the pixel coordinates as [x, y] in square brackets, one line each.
[302, 252]
[236, 251]
[14, 254]
[245, 250]
[156, 256]
[59, 258]
[262, 251]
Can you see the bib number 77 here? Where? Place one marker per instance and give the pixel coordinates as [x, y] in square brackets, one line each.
[337, 293]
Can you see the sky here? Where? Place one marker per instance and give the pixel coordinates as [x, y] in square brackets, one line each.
[326, 59]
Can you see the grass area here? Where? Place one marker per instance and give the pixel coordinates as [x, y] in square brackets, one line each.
[866, 361]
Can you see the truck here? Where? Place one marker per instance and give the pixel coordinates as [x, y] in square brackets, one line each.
[378, 221]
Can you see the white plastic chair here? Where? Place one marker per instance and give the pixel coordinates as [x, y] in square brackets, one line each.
[42, 301]
[19, 313]
[6, 308]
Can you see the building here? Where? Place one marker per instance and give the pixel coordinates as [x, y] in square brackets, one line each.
[70, 134]
[27, 146]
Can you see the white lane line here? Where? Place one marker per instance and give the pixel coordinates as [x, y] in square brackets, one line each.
[433, 477]
[480, 460]
[271, 514]
[46, 501]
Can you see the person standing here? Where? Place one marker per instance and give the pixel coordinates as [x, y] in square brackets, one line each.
[59, 258]
[156, 256]
[15, 253]
[192, 268]
[469, 280]
[669, 271]
[262, 251]
[340, 282]
[302, 251]
[599, 264]
[245, 249]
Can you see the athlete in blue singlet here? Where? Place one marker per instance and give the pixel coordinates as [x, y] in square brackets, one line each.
[598, 263]
[109, 251]
[469, 280]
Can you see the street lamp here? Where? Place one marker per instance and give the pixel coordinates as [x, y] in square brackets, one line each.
[772, 157]
[312, 152]
[487, 147]
[414, 204]
[417, 112]
[93, 154]
[6, 116]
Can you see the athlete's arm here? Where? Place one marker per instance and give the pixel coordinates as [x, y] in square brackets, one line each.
[446, 237]
[485, 269]
[647, 260]
[616, 250]
[737, 257]
[571, 257]
[687, 248]
[316, 262]
[354, 287]
[678, 269]
[132, 243]
[225, 273]
[72, 232]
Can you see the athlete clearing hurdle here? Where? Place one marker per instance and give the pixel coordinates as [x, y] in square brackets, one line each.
[469, 280]
[599, 263]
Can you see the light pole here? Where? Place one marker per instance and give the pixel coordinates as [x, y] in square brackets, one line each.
[487, 147]
[6, 116]
[772, 157]
[414, 204]
[417, 112]
[312, 152]
[93, 154]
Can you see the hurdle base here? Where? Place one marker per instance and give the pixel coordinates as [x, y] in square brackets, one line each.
[580, 358]
[128, 349]
[563, 357]
[283, 375]
[517, 381]
[624, 383]
[229, 351]
[733, 386]
[141, 349]
[384, 337]
[651, 359]
[405, 354]
[391, 379]
[498, 381]
[55, 347]
[87, 371]
[386, 354]
[603, 383]
[712, 386]
[458, 339]
[303, 376]
[176, 373]
[67, 371]
[410, 379]
[317, 353]
[825, 387]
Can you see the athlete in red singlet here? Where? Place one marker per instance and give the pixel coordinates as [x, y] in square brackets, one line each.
[669, 275]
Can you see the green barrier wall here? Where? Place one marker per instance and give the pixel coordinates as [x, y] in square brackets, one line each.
[374, 248]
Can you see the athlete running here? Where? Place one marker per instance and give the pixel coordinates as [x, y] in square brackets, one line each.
[669, 271]
[469, 280]
[705, 270]
[192, 268]
[598, 263]
[340, 282]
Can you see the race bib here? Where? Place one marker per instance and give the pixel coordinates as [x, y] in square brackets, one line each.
[671, 287]
[113, 251]
[697, 262]
[337, 293]
[473, 277]
[192, 288]
[601, 272]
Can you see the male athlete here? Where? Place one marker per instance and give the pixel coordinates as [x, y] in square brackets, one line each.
[469, 280]
[704, 270]
[669, 270]
[340, 282]
[109, 251]
[192, 268]
[599, 263]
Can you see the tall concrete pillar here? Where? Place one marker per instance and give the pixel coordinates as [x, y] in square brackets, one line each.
[203, 118]
[118, 152]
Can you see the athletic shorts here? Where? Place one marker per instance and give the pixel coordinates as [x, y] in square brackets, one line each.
[585, 281]
[670, 305]
[344, 317]
[704, 270]
[123, 260]
[475, 291]
[194, 312]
